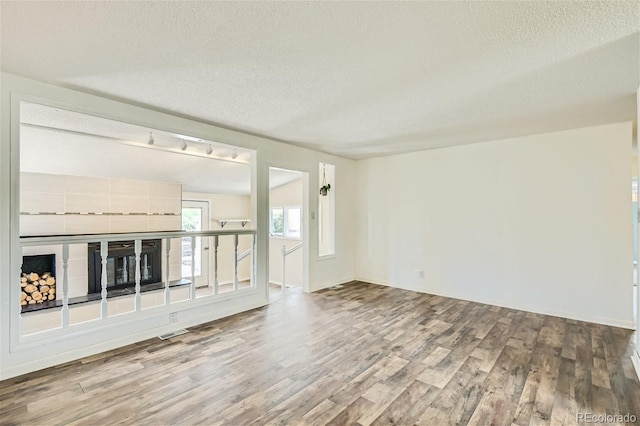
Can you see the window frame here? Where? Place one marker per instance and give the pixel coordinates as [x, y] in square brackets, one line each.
[285, 222]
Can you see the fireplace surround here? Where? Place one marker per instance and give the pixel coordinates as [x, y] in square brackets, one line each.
[121, 265]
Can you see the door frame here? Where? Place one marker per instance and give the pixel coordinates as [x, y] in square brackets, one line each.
[204, 279]
[305, 222]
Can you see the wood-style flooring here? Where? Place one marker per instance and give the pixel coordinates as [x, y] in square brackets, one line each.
[359, 354]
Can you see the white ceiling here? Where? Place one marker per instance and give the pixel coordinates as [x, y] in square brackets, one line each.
[357, 79]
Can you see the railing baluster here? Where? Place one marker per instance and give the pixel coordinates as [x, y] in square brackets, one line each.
[104, 253]
[193, 268]
[18, 328]
[254, 263]
[284, 268]
[65, 280]
[235, 262]
[65, 285]
[286, 253]
[138, 250]
[167, 294]
[215, 264]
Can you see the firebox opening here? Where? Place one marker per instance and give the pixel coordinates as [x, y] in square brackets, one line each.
[40, 264]
[121, 265]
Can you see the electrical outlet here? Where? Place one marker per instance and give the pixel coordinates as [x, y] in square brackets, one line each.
[173, 317]
[421, 274]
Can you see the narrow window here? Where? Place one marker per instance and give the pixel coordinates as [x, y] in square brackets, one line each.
[326, 210]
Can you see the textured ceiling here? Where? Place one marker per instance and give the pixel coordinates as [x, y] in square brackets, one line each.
[357, 79]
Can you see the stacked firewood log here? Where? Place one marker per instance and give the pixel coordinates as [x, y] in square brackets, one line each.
[37, 288]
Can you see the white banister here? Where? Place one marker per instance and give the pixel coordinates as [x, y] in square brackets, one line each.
[65, 285]
[245, 253]
[283, 251]
[292, 249]
[137, 278]
[215, 264]
[253, 262]
[235, 262]
[286, 253]
[30, 241]
[104, 254]
[193, 268]
[137, 251]
[167, 250]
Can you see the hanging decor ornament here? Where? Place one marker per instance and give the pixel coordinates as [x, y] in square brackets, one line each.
[324, 189]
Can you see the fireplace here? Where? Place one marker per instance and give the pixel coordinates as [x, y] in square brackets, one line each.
[121, 265]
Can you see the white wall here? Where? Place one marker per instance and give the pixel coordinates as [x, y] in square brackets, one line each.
[17, 357]
[93, 205]
[538, 223]
[636, 354]
[286, 195]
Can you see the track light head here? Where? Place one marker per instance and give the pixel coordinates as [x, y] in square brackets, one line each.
[184, 145]
[151, 141]
[235, 154]
[209, 150]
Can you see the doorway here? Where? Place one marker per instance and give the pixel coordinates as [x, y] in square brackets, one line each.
[195, 217]
[288, 230]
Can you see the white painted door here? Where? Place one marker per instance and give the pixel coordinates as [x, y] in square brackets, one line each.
[195, 217]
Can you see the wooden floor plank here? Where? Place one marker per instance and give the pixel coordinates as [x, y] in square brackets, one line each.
[359, 354]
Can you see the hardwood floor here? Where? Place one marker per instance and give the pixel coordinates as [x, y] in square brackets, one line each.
[360, 354]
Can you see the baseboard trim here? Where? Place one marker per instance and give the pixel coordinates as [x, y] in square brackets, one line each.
[343, 281]
[514, 305]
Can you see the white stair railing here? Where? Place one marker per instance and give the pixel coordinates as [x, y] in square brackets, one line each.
[104, 313]
[244, 254]
[286, 253]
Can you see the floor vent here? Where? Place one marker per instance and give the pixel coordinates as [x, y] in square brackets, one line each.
[172, 334]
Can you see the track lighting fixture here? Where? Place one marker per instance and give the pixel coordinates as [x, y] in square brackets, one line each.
[209, 150]
[151, 141]
[184, 145]
[235, 154]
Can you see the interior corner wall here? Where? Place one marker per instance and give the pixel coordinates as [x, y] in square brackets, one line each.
[636, 355]
[539, 223]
